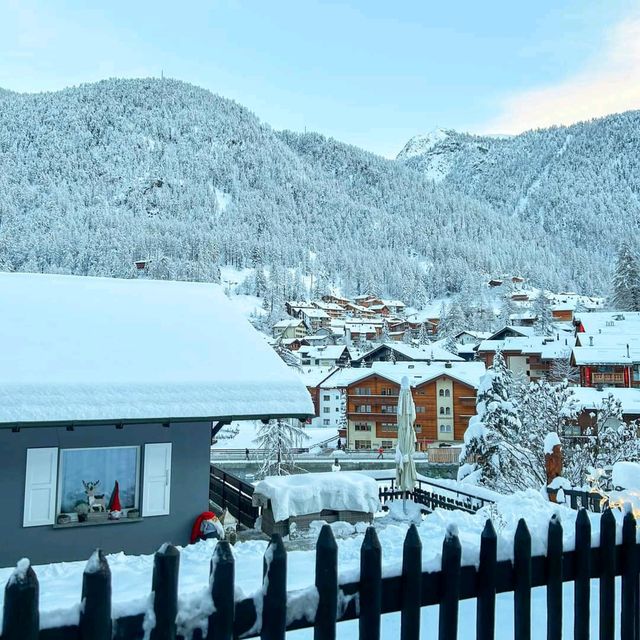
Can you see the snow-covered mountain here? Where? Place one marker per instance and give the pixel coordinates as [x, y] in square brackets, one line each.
[435, 153]
[585, 177]
[97, 176]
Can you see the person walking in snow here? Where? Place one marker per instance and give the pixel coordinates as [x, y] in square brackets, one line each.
[380, 453]
[336, 466]
[246, 454]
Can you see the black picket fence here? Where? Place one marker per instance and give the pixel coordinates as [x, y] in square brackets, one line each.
[269, 616]
[433, 496]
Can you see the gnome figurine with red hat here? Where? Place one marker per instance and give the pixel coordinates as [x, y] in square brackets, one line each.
[115, 509]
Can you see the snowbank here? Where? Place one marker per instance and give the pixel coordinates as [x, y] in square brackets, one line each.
[626, 475]
[303, 494]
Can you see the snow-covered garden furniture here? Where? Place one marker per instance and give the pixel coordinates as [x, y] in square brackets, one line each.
[346, 496]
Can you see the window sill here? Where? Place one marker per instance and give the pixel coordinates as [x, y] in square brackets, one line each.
[96, 522]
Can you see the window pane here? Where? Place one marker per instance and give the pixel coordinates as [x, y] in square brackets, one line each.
[104, 466]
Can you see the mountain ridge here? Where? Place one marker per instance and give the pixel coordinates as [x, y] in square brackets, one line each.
[97, 176]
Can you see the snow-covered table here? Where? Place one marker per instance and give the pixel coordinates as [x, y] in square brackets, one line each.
[346, 496]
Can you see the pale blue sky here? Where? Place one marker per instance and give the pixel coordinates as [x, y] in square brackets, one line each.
[369, 72]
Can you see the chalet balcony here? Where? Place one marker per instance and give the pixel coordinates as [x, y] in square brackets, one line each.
[607, 378]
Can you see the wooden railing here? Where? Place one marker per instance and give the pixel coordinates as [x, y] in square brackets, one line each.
[230, 492]
[579, 499]
[433, 496]
[272, 611]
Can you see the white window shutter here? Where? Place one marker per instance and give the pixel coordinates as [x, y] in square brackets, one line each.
[40, 487]
[156, 483]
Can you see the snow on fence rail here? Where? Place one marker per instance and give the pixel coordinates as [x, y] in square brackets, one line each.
[272, 611]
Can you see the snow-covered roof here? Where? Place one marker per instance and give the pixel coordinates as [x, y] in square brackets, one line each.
[80, 349]
[614, 322]
[290, 322]
[548, 349]
[313, 376]
[329, 352]
[420, 353]
[605, 355]
[313, 312]
[589, 398]
[418, 373]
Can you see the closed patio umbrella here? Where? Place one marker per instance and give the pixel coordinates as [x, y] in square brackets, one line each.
[405, 465]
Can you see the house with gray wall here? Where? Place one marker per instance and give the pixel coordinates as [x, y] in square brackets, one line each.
[106, 381]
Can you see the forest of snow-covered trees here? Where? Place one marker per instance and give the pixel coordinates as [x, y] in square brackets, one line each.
[94, 177]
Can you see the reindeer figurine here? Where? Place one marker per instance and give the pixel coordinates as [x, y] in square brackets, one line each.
[96, 501]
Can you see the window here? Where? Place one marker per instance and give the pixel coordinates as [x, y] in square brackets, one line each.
[389, 408]
[418, 428]
[448, 411]
[387, 444]
[363, 408]
[326, 410]
[362, 391]
[337, 408]
[445, 428]
[447, 393]
[389, 426]
[326, 422]
[441, 394]
[362, 426]
[387, 391]
[326, 398]
[89, 476]
[362, 444]
[57, 481]
[420, 409]
[441, 411]
[636, 372]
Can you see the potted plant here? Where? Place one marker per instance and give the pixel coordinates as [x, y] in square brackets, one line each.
[82, 509]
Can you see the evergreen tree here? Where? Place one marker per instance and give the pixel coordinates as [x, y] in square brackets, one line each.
[384, 333]
[626, 279]
[423, 335]
[544, 319]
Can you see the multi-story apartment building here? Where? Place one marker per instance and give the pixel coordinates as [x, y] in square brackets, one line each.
[444, 395]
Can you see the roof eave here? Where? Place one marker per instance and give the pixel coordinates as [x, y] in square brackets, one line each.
[155, 420]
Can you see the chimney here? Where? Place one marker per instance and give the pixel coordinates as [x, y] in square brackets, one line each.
[591, 341]
[628, 356]
[447, 365]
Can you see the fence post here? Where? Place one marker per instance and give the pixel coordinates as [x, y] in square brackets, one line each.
[164, 584]
[370, 586]
[21, 617]
[522, 582]
[629, 578]
[327, 585]
[450, 580]
[607, 574]
[95, 615]
[554, 579]
[486, 608]
[581, 583]
[274, 607]
[221, 582]
[411, 585]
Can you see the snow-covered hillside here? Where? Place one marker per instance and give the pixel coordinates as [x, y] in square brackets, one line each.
[577, 184]
[97, 176]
